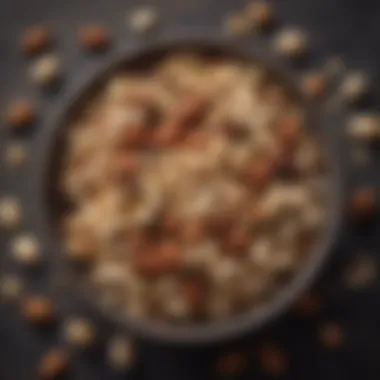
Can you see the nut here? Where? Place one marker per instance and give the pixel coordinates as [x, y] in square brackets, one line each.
[21, 113]
[10, 212]
[36, 39]
[120, 353]
[46, 70]
[331, 336]
[355, 87]
[94, 37]
[260, 13]
[38, 310]
[364, 127]
[79, 332]
[11, 287]
[314, 86]
[291, 43]
[53, 364]
[16, 154]
[25, 249]
[363, 203]
[143, 19]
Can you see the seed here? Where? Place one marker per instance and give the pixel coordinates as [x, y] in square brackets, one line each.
[15, 154]
[120, 353]
[38, 310]
[362, 203]
[26, 249]
[273, 360]
[11, 287]
[314, 86]
[21, 113]
[291, 43]
[94, 37]
[364, 127]
[79, 332]
[261, 13]
[53, 363]
[355, 87]
[143, 19]
[309, 304]
[331, 336]
[10, 212]
[231, 364]
[36, 39]
[46, 70]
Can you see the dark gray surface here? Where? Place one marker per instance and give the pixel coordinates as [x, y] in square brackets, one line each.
[347, 28]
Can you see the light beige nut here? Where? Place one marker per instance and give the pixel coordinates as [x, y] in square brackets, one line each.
[364, 127]
[361, 272]
[120, 353]
[46, 70]
[10, 212]
[79, 332]
[11, 287]
[15, 154]
[25, 249]
[143, 19]
[355, 87]
[291, 43]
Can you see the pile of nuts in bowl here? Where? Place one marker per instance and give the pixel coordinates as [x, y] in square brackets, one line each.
[196, 188]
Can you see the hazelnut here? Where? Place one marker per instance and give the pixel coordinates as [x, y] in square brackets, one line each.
[355, 87]
[192, 110]
[170, 255]
[194, 291]
[79, 332]
[273, 360]
[94, 37]
[21, 113]
[26, 249]
[197, 140]
[259, 173]
[143, 19]
[289, 130]
[38, 310]
[120, 353]
[237, 241]
[291, 43]
[15, 154]
[238, 25]
[53, 363]
[193, 231]
[167, 135]
[127, 165]
[363, 203]
[11, 287]
[10, 212]
[45, 71]
[133, 137]
[364, 127]
[261, 13]
[314, 86]
[331, 336]
[231, 364]
[36, 39]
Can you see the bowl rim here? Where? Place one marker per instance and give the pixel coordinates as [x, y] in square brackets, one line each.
[213, 331]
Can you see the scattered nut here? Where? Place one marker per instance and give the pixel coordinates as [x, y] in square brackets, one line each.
[10, 212]
[314, 86]
[363, 203]
[79, 332]
[291, 43]
[364, 127]
[331, 336]
[143, 19]
[94, 37]
[36, 39]
[260, 13]
[273, 360]
[11, 287]
[231, 364]
[25, 249]
[15, 154]
[355, 87]
[120, 353]
[46, 70]
[361, 272]
[53, 364]
[21, 113]
[38, 310]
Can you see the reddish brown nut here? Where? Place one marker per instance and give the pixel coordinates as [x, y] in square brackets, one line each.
[167, 135]
[331, 336]
[53, 364]
[237, 241]
[126, 165]
[133, 137]
[193, 231]
[231, 364]
[170, 254]
[363, 203]
[314, 86]
[94, 37]
[289, 131]
[197, 140]
[221, 224]
[36, 39]
[20, 113]
[309, 305]
[273, 360]
[170, 224]
[194, 291]
[261, 13]
[192, 110]
[38, 310]
[259, 173]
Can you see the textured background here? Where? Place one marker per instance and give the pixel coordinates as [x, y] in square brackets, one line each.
[348, 28]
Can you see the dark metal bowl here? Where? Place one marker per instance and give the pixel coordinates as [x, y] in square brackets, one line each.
[47, 199]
